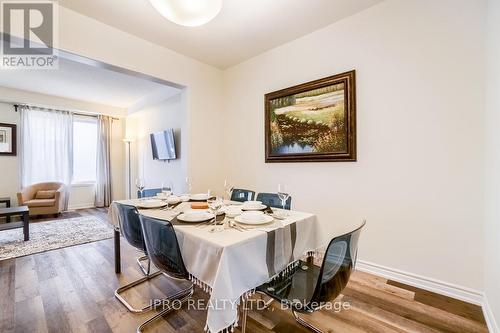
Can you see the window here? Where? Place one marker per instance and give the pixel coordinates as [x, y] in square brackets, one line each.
[84, 149]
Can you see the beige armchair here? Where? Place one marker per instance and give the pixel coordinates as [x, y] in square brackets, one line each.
[43, 198]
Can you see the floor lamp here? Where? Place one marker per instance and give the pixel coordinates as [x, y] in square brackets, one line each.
[128, 141]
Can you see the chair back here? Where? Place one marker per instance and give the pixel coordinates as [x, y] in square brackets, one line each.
[273, 200]
[147, 193]
[242, 195]
[338, 263]
[130, 225]
[162, 247]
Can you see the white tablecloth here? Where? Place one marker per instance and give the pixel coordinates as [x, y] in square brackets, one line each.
[231, 263]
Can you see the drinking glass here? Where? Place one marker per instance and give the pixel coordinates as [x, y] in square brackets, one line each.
[283, 194]
[167, 188]
[140, 184]
[228, 189]
[215, 204]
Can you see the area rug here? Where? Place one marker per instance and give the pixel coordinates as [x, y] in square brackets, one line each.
[52, 235]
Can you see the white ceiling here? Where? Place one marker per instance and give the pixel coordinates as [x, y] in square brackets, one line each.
[87, 83]
[243, 29]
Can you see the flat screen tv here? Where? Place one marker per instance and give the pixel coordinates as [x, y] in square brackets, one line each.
[163, 145]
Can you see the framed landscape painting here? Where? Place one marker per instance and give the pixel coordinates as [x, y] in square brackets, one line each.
[8, 140]
[312, 122]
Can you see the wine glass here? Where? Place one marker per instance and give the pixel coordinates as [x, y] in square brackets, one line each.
[283, 194]
[215, 204]
[228, 189]
[167, 188]
[140, 184]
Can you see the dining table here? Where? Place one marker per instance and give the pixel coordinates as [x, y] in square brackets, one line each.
[229, 264]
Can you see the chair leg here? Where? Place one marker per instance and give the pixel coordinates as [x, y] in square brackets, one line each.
[145, 270]
[181, 296]
[306, 324]
[131, 285]
[244, 316]
[266, 303]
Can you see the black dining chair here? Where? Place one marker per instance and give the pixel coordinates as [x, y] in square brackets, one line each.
[147, 193]
[273, 200]
[164, 252]
[242, 195]
[130, 228]
[307, 288]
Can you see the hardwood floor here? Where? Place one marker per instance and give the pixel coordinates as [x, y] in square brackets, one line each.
[72, 290]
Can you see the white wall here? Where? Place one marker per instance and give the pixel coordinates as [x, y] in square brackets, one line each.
[90, 38]
[420, 100]
[81, 195]
[170, 113]
[9, 165]
[492, 154]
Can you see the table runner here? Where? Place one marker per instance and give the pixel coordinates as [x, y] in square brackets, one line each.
[231, 264]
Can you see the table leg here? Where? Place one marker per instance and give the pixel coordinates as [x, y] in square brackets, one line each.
[118, 269]
[26, 226]
[244, 315]
[7, 205]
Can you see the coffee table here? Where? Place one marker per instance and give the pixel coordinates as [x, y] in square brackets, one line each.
[17, 211]
[6, 201]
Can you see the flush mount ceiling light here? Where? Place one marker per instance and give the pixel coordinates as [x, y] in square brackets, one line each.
[190, 13]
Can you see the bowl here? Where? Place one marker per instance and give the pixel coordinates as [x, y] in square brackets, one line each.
[232, 211]
[199, 196]
[173, 199]
[162, 196]
[253, 204]
[253, 216]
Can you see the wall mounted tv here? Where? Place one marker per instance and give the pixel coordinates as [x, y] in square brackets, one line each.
[163, 145]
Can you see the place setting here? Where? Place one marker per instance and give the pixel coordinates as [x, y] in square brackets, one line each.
[211, 211]
[194, 209]
[253, 205]
[240, 215]
[251, 215]
[218, 215]
[185, 209]
[164, 199]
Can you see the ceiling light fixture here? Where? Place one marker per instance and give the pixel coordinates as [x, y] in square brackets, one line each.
[190, 13]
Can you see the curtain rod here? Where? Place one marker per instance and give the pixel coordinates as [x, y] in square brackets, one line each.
[52, 109]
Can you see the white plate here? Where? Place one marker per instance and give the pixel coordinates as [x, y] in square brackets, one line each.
[195, 217]
[199, 196]
[151, 203]
[245, 207]
[265, 219]
[231, 211]
[172, 200]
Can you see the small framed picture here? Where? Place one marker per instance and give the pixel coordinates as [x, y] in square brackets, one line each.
[8, 140]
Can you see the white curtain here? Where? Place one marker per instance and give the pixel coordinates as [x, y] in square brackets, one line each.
[103, 183]
[46, 146]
